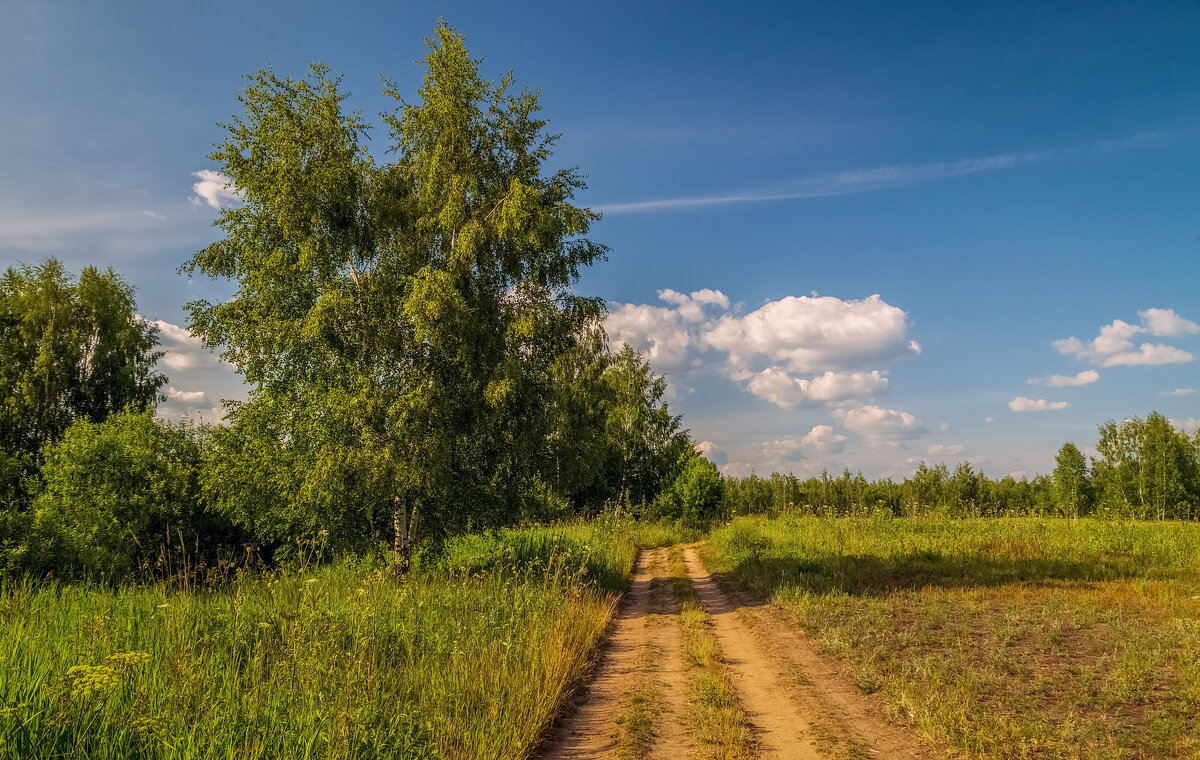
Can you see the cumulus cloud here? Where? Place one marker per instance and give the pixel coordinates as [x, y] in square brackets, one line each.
[712, 452]
[1178, 392]
[795, 352]
[781, 451]
[667, 335]
[806, 453]
[815, 334]
[183, 350]
[943, 450]
[1022, 404]
[656, 331]
[776, 385]
[691, 306]
[1189, 425]
[1165, 322]
[1114, 346]
[823, 439]
[214, 189]
[1085, 377]
[187, 397]
[879, 426]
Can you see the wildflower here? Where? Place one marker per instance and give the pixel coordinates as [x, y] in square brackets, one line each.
[128, 659]
[311, 580]
[88, 681]
[264, 624]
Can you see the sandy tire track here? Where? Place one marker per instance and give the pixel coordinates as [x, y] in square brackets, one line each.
[822, 685]
[591, 730]
[782, 730]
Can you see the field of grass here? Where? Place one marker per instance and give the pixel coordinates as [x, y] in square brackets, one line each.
[998, 638]
[468, 657]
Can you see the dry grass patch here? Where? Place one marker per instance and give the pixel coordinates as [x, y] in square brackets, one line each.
[1006, 638]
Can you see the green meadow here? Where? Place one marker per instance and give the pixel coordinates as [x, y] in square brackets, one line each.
[467, 657]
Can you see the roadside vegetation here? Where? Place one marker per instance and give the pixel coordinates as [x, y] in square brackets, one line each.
[998, 638]
[468, 657]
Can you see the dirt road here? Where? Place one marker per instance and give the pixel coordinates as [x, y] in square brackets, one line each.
[795, 703]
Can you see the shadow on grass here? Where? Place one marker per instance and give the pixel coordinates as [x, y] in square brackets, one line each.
[870, 575]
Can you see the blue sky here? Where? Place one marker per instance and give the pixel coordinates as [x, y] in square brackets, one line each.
[794, 195]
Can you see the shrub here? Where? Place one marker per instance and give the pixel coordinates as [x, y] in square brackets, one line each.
[697, 493]
[112, 492]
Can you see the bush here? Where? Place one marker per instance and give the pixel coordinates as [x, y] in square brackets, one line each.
[742, 542]
[111, 493]
[697, 494]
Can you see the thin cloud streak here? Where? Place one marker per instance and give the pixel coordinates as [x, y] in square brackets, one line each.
[882, 178]
[842, 183]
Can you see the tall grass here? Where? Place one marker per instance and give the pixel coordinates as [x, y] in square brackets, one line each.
[998, 638]
[469, 657]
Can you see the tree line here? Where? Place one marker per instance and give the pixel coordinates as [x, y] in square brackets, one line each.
[418, 360]
[1145, 469]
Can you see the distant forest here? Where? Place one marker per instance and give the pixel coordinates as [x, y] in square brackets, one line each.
[1146, 469]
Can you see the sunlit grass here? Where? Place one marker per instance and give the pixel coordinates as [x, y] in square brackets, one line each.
[1024, 638]
[469, 657]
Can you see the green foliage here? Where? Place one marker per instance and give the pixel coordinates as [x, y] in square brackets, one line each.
[646, 442]
[1071, 481]
[697, 493]
[68, 348]
[113, 493]
[468, 658]
[1147, 469]
[417, 313]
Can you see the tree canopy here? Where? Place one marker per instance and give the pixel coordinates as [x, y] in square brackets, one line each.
[68, 348]
[415, 310]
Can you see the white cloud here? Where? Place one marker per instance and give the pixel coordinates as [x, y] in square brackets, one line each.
[879, 426]
[1114, 345]
[1189, 425]
[822, 438]
[690, 307]
[782, 389]
[1178, 392]
[1085, 377]
[712, 452]
[1165, 322]
[780, 452]
[814, 334]
[1022, 404]
[1150, 354]
[183, 350]
[656, 331]
[989, 419]
[794, 352]
[187, 397]
[738, 469]
[943, 450]
[214, 189]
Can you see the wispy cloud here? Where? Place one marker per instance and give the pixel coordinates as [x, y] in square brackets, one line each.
[880, 178]
[840, 183]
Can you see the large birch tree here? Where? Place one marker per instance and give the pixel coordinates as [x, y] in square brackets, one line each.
[399, 320]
